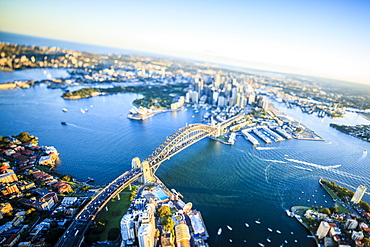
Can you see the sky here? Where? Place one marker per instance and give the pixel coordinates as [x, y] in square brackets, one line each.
[318, 37]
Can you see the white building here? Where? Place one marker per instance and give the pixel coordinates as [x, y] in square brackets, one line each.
[360, 191]
[323, 229]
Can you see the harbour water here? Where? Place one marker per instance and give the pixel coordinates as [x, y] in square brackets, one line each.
[230, 184]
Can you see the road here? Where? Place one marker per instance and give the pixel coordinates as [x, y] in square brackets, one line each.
[74, 234]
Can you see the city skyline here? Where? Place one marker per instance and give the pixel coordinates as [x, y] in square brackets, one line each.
[326, 39]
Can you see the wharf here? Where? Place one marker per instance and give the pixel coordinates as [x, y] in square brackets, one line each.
[283, 133]
[272, 134]
[261, 135]
[250, 138]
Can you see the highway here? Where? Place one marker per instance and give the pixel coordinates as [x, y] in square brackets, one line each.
[74, 234]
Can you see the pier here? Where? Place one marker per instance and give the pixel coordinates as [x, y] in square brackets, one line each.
[262, 135]
[250, 138]
[272, 134]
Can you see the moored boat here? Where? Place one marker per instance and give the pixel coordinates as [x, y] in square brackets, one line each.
[219, 231]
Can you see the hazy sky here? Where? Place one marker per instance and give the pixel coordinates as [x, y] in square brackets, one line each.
[316, 37]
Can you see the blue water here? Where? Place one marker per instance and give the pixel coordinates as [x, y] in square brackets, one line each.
[231, 185]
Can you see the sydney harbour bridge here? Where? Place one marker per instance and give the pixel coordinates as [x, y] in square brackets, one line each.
[142, 171]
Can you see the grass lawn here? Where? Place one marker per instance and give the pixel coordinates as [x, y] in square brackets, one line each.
[116, 209]
[341, 208]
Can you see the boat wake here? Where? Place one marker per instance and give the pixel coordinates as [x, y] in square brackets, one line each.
[303, 168]
[265, 148]
[277, 161]
[314, 165]
[266, 174]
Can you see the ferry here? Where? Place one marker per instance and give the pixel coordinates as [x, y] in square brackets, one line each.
[219, 231]
[65, 109]
[229, 227]
[258, 221]
[246, 224]
[289, 213]
[269, 229]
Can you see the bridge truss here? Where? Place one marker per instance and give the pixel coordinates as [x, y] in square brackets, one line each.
[178, 141]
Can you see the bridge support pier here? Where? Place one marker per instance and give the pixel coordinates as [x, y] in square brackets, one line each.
[147, 176]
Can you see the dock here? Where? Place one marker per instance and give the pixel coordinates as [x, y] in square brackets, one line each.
[283, 133]
[262, 135]
[268, 132]
[250, 138]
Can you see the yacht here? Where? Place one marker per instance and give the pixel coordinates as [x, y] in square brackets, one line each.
[65, 109]
[219, 231]
[262, 245]
[246, 224]
[230, 240]
[229, 227]
[269, 229]
[268, 240]
[258, 221]
[278, 231]
[82, 110]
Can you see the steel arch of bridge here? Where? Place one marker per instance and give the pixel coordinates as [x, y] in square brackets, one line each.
[178, 141]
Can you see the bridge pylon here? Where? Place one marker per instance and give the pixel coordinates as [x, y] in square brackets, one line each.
[147, 176]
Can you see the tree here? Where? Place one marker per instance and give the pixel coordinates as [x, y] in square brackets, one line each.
[164, 211]
[333, 210]
[67, 178]
[113, 234]
[325, 211]
[53, 235]
[168, 223]
[366, 240]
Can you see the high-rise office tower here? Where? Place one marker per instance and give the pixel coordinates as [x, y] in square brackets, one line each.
[360, 191]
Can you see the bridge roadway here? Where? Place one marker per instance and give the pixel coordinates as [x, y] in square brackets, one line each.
[74, 234]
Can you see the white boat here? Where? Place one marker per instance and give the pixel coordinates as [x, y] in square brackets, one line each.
[258, 221]
[291, 233]
[288, 213]
[246, 224]
[219, 231]
[82, 110]
[268, 240]
[262, 245]
[269, 229]
[278, 231]
[229, 227]
[230, 240]
[65, 109]
[285, 241]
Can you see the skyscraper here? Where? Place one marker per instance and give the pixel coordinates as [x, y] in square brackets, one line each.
[323, 230]
[360, 191]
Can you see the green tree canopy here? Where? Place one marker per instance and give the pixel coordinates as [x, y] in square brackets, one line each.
[67, 178]
[164, 211]
[113, 234]
[325, 211]
[333, 210]
[53, 235]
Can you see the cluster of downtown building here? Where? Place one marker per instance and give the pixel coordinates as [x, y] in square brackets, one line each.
[226, 91]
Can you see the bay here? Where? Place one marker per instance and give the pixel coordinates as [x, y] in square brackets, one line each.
[231, 185]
